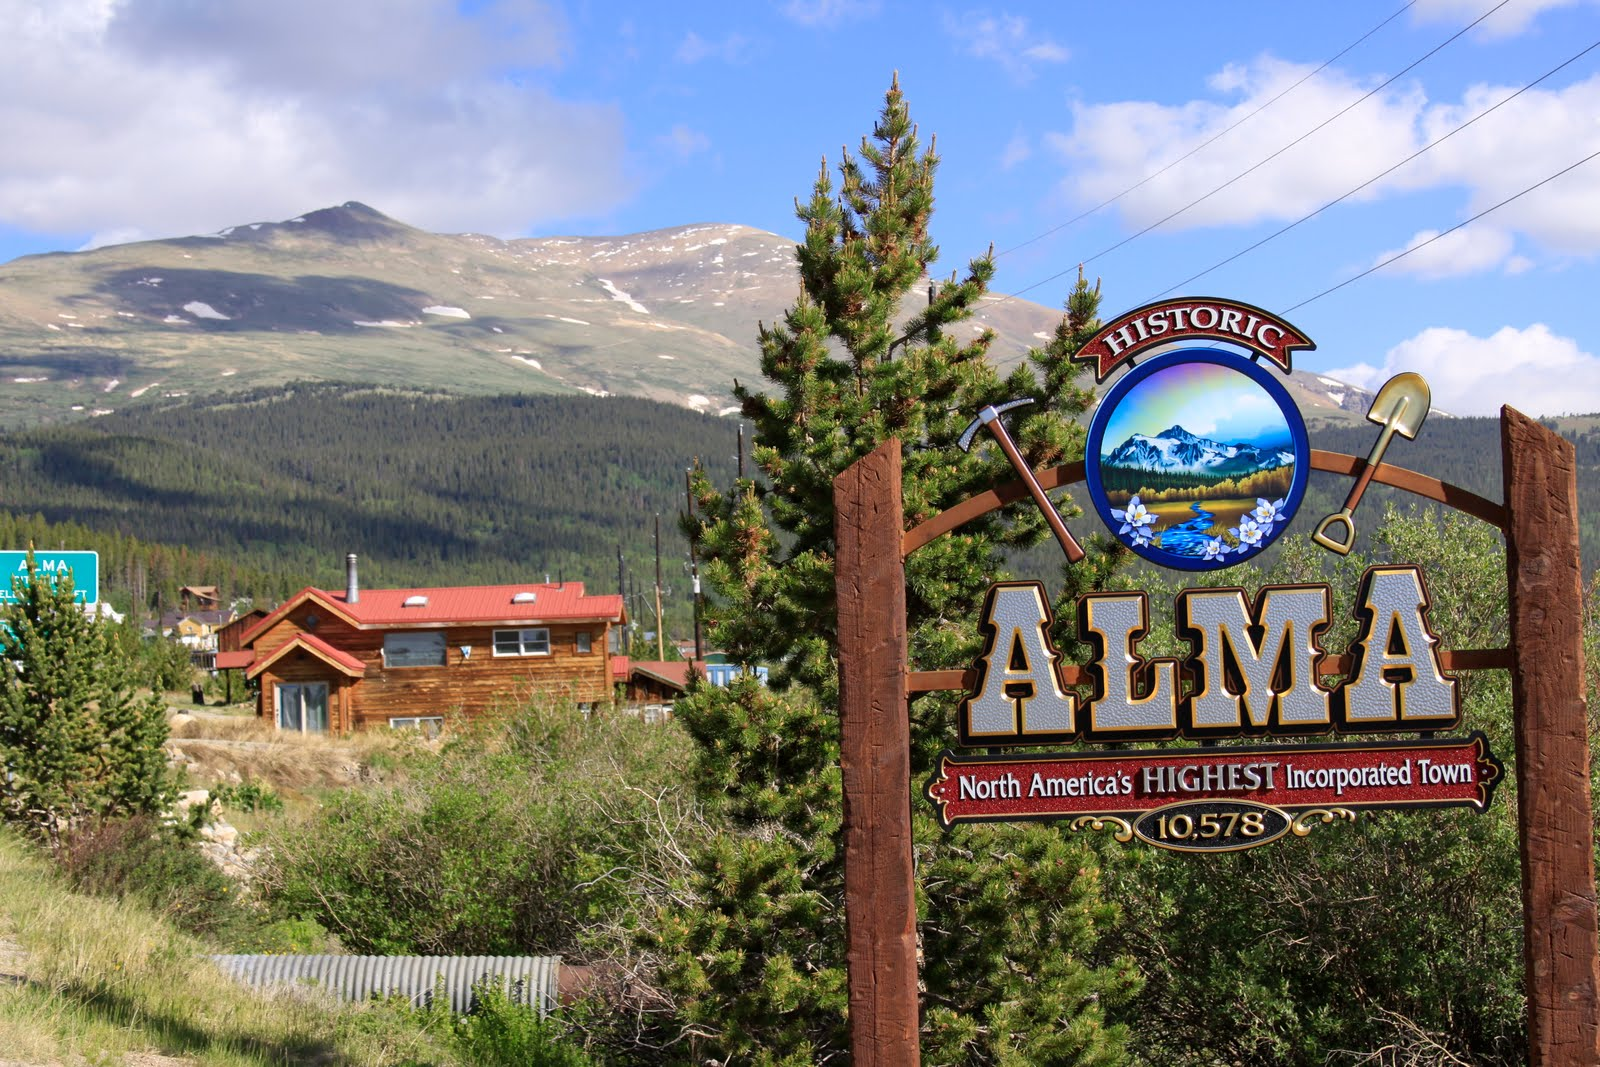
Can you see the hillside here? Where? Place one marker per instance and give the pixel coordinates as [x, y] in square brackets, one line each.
[267, 490]
[348, 294]
[427, 489]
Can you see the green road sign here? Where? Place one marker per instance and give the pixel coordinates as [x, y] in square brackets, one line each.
[83, 566]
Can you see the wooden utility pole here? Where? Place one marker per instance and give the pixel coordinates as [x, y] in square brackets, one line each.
[661, 638]
[875, 761]
[1554, 808]
[694, 564]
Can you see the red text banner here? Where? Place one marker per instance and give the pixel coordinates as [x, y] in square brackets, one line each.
[1459, 772]
[1191, 319]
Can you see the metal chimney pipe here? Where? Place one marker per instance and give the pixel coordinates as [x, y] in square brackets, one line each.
[352, 588]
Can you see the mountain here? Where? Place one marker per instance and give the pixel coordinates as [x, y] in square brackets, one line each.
[348, 294]
[1177, 451]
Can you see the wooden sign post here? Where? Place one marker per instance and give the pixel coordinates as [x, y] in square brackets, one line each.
[1554, 809]
[1555, 812]
[875, 760]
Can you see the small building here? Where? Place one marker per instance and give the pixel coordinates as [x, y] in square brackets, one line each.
[340, 661]
[660, 682]
[198, 598]
[230, 637]
[195, 630]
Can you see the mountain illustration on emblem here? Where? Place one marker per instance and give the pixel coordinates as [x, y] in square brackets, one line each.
[1193, 496]
[1176, 449]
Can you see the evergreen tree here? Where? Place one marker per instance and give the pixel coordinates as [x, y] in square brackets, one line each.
[1010, 915]
[77, 744]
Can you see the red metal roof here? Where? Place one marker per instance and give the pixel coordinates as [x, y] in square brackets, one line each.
[228, 661]
[351, 664]
[619, 667]
[384, 608]
[673, 672]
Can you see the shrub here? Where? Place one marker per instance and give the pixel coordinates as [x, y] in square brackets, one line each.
[539, 832]
[142, 858]
[247, 796]
[502, 1033]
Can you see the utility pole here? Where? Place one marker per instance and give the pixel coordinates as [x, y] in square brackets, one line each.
[694, 563]
[741, 450]
[661, 637]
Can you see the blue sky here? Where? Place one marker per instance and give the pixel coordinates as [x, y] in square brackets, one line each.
[151, 118]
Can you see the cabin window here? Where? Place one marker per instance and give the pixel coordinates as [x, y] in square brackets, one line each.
[303, 707]
[534, 642]
[583, 643]
[428, 725]
[414, 649]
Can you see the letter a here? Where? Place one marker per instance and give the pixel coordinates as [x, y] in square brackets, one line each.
[1396, 680]
[1018, 696]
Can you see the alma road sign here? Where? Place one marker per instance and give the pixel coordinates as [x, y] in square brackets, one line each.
[83, 566]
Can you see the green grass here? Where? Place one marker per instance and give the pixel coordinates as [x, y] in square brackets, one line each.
[100, 981]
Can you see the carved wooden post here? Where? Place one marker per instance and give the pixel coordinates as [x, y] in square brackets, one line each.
[1554, 807]
[875, 758]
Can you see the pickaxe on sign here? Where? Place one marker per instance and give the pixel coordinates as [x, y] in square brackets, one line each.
[990, 417]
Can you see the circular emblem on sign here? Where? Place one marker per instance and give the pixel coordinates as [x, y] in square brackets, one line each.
[1197, 459]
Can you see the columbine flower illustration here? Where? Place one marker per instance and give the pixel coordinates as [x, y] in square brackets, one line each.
[1249, 533]
[1215, 549]
[1142, 535]
[1137, 516]
[1268, 512]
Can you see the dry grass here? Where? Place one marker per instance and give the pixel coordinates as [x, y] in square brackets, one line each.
[228, 749]
[103, 982]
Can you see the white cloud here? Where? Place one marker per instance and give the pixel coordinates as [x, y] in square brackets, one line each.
[1508, 21]
[164, 117]
[1005, 39]
[683, 142]
[829, 12]
[1533, 370]
[1018, 150]
[734, 48]
[1469, 250]
[1114, 146]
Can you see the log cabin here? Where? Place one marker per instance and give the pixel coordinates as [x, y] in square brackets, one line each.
[342, 661]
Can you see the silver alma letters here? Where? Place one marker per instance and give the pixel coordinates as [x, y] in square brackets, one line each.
[1217, 624]
[1250, 669]
[1019, 692]
[1396, 677]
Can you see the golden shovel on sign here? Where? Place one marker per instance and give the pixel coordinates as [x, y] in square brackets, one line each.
[1400, 406]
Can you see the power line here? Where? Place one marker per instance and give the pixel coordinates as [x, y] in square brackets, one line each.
[1378, 177]
[1199, 200]
[1446, 233]
[1214, 138]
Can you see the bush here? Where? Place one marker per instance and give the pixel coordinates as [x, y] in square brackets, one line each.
[144, 859]
[247, 797]
[502, 1033]
[539, 832]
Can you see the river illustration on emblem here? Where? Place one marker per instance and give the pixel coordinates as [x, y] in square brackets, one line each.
[1200, 462]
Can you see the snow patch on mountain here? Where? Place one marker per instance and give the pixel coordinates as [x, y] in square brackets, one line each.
[618, 294]
[1176, 450]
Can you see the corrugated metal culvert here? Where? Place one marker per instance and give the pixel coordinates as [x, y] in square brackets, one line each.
[531, 980]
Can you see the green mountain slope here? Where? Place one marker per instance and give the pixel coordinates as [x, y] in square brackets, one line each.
[426, 489]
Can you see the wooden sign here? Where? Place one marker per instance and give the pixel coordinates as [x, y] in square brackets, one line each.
[1253, 670]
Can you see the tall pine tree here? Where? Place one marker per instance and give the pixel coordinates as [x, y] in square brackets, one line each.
[1009, 916]
[78, 744]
